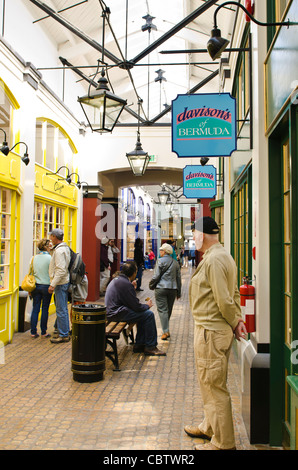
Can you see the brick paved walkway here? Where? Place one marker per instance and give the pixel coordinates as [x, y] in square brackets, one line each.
[143, 407]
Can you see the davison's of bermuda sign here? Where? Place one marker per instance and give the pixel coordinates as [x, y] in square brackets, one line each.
[204, 125]
[199, 181]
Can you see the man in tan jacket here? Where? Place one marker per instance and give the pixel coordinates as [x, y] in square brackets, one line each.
[215, 305]
[59, 277]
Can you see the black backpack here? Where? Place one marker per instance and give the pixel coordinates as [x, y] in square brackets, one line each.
[76, 267]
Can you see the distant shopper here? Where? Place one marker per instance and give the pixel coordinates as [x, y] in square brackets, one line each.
[181, 257]
[172, 243]
[41, 296]
[151, 258]
[59, 283]
[167, 283]
[192, 256]
[139, 259]
[113, 251]
[105, 267]
[123, 304]
[214, 301]
[146, 259]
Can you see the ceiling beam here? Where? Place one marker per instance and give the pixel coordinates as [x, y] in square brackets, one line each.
[169, 107]
[75, 30]
[192, 90]
[199, 11]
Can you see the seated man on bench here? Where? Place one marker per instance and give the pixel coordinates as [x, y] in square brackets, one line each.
[123, 305]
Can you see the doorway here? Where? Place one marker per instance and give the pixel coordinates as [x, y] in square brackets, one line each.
[283, 268]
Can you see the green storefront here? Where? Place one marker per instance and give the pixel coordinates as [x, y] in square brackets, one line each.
[281, 84]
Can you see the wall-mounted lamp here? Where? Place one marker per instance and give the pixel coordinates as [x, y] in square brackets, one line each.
[101, 107]
[68, 179]
[138, 158]
[5, 149]
[79, 185]
[216, 44]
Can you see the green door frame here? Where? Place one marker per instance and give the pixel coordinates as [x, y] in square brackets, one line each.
[288, 126]
[247, 176]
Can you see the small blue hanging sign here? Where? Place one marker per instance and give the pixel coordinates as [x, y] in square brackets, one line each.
[199, 181]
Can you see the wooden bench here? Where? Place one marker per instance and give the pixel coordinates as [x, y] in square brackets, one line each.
[113, 332]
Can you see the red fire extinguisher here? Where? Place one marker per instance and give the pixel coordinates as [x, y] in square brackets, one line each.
[247, 302]
[250, 7]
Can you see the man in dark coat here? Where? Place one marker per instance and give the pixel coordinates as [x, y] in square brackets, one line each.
[123, 305]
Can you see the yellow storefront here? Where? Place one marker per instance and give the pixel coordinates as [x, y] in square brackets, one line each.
[55, 205]
[10, 192]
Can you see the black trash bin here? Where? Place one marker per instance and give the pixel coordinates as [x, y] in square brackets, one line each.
[88, 342]
[23, 325]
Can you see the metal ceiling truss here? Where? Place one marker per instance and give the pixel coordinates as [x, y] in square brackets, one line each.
[128, 64]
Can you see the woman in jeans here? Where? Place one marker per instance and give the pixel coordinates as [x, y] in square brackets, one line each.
[40, 294]
[168, 287]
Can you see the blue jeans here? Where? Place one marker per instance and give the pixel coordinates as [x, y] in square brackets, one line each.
[139, 276]
[146, 326]
[40, 294]
[61, 298]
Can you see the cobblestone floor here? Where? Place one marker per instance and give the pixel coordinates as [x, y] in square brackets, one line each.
[143, 407]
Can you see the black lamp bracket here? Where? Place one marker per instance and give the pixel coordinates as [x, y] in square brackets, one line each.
[5, 139]
[286, 23]
[18, 144]
[60, 168]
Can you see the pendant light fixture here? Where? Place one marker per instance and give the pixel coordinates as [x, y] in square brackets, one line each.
[164, 196]
[101, 107]
[138, 158]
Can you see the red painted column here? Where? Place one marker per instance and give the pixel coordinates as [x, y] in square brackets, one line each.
[91, 244]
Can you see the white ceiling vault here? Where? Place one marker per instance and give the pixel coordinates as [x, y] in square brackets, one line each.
[134, 55]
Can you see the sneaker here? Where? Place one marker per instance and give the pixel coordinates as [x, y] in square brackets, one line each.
[55, 333]
[60, 339]
[165, 336]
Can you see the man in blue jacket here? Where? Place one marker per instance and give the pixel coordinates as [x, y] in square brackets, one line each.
[123, 305]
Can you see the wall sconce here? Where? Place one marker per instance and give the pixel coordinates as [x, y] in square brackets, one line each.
[68, 179]
[216, 44]
[101, 107]
[5, 149]
[79, 185]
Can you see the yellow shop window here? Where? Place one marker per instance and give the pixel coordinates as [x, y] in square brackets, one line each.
[5, 222]
[53, 147]
[46, 218]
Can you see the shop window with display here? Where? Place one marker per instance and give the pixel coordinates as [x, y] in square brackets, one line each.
[5, 223]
